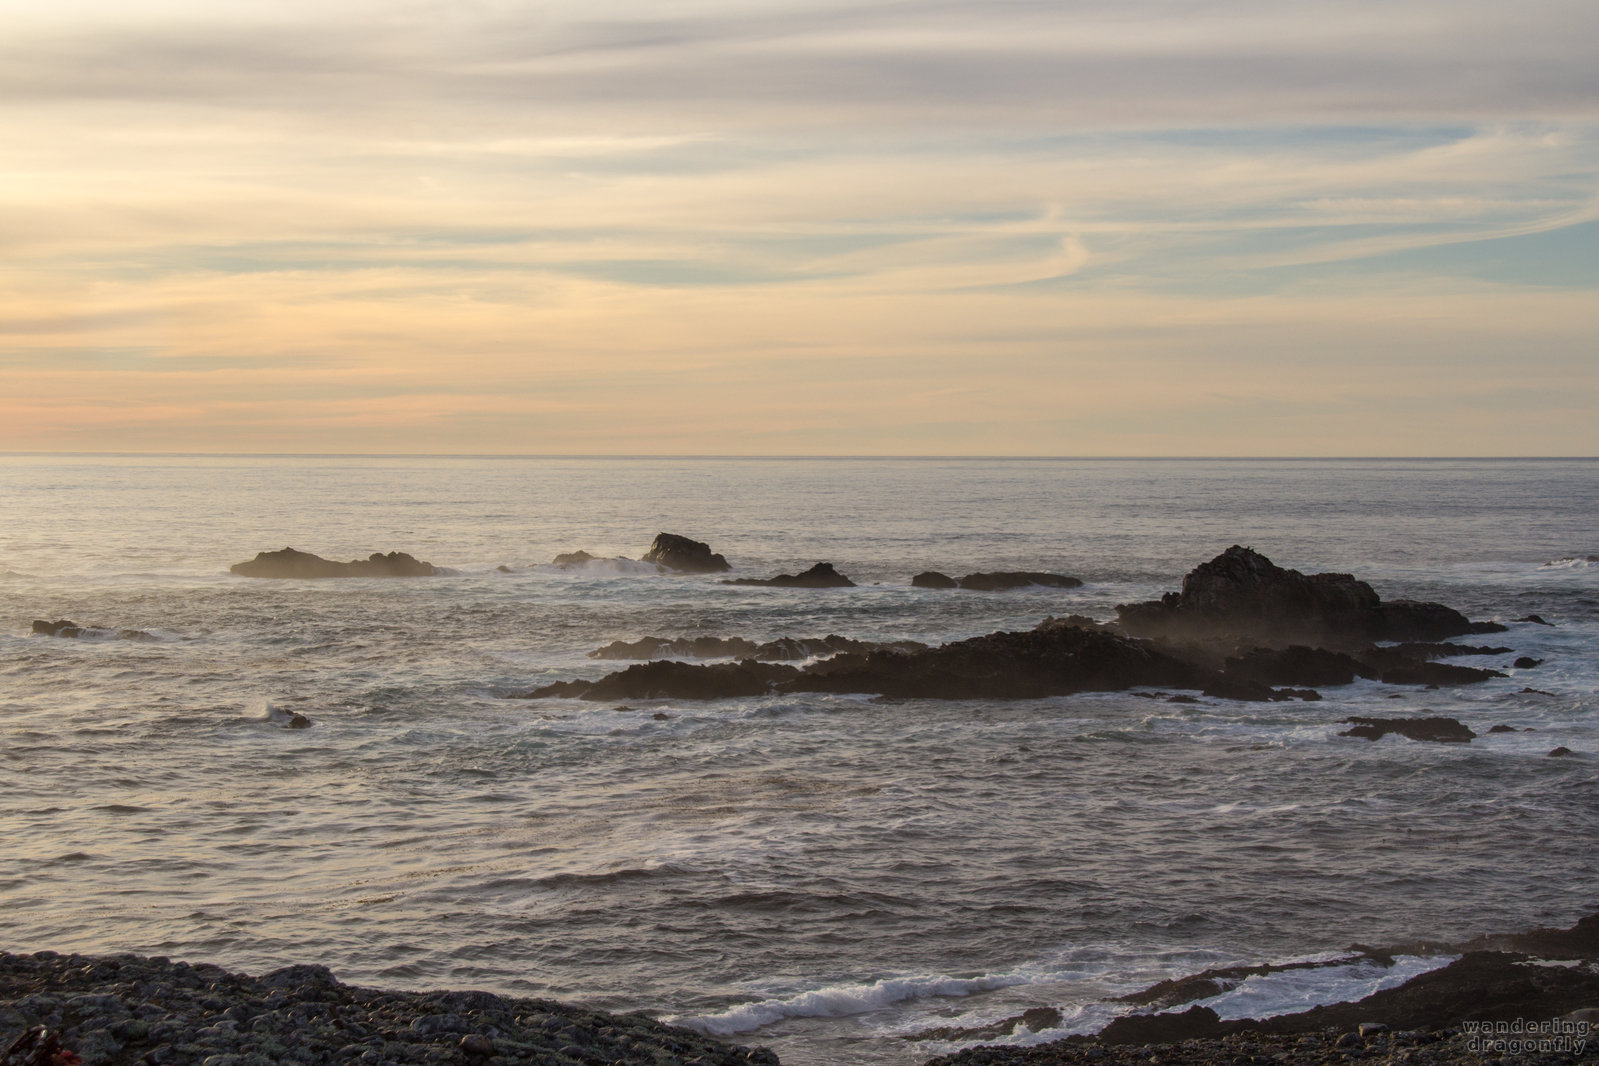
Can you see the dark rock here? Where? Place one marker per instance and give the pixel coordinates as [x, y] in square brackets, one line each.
[1535, 620]
[292, 564]
[668, 679]
[1295, 665]
[932, 579]
[1502, 728]
[1055, 658]
[1417, 649]
[1441, 730]
[685, 555]
[72, 631]
[1526, 662]
[1560, 752]
[820, 576]
[1181, 697]
[576, 558]
[1192, 1023]
[738, 647]
[1309, 695]
[1017, 579]
[1242, 594]
[817, 647]
[1036, 1019]
[680, 647]
[1395, 670]
[62, 628]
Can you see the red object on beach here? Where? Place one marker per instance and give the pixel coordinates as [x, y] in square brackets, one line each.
[38, 1047]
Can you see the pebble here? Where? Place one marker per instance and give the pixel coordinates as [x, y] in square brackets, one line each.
[129, 1010]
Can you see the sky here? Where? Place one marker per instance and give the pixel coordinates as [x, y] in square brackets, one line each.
[788, 227]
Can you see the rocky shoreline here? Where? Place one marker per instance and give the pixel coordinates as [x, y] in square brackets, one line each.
[1526, 998]
[122, 1010]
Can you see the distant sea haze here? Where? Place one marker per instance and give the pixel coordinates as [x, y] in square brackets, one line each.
[822, 873]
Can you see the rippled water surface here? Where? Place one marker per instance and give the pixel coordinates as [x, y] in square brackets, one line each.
[828, 875]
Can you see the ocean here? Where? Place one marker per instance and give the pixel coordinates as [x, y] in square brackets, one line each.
[845, 880]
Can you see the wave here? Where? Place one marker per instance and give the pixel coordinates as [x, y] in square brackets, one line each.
[840, 1001]
[618, 567]
[1571, 562]
[1292, 991]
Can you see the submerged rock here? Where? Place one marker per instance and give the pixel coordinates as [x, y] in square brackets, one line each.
[932, 579]
[291, 564]
[685, 555]
[1439, 730]
[820, 576]
[72, 631]
[1242, 594]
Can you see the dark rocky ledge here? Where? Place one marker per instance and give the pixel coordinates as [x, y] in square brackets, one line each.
[291, 564]
[820, 576]
[1214, 638]
[1242, 595]
[126, 1009]
[1431, 1018]
[685, 555]
[783, 648]
[73, 631]
[1438, 730]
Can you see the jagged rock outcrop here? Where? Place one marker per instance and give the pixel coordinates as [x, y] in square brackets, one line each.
[1242, 595]
[820, 576]
[740, 648]
[73, 631]
[291, 564]
[685, 555]
[1439, 730]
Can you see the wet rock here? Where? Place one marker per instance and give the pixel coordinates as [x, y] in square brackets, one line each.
[577, 558]
[1168, 1028]
[1295, 665]
[669, 679]
[1502, 728]
[298, 565]
[684, 555]
[1535, 620]
[1527, 662]
[1394, 667]
[72, 631]
[1437, 729]
[1017, 579]
[1560, 752]
[820, 576]
[1242, 594]
[1055, 658]
[932, 579]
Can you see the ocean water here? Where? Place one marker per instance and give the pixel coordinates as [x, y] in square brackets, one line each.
[842, 879]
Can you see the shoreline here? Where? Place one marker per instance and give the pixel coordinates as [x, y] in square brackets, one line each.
[1529, 997]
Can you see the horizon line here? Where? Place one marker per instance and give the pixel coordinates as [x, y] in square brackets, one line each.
[860, 457]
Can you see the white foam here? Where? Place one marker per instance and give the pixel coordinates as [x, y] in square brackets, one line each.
[1291, 991]
[840, 1001]
[619, 567]
[1571, 562]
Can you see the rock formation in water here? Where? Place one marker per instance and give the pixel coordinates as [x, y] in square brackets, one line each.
[932, 579]
[820, 576]
[73, 631]
[291, 564]
[685, 555]
[1438, 730]
[741, 648]
[1242, 595]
